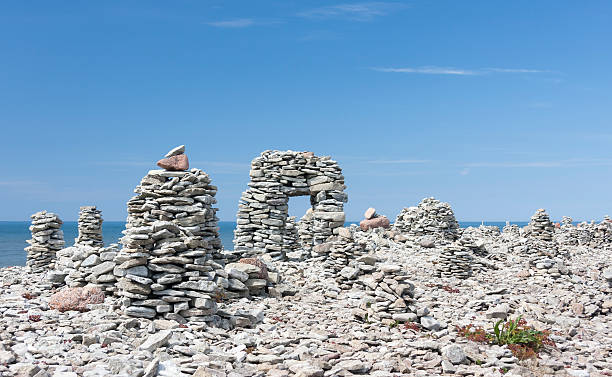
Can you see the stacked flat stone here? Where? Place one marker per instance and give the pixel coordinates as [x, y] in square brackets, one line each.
[339, 251]
[540, 226]
[305, 234]
[169, 264]
[601, 234]
[430, 217]
[90, 227]
[388, 295]
[548, 266]
[455, 260]
[275, 177]
[248, 277]
[83, 264]
[291, 240]
[570, 235]
[47, 239]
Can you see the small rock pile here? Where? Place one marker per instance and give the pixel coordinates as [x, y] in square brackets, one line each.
[601, 234]
[430, 217]
[455, 260]
[248, 277]
[373, 220]
[389, 297]
[47, 239]
[339, 250]
[80, 265]
[90, 227]
[569, 235]
[510, 232]
[170, 262]
[275, 177]
[540, 226]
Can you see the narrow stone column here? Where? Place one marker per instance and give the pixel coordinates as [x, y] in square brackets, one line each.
[47, 239]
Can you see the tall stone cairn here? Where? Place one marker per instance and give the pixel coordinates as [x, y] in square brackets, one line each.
[540, 226]
[430, 218]
[47, 239]
[275, 177]
[90, 227]
[170, 263]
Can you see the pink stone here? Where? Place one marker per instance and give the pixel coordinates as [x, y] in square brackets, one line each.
[369, 213]
[174, 163]
[377, 222]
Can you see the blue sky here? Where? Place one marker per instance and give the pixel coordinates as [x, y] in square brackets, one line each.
[496, 107]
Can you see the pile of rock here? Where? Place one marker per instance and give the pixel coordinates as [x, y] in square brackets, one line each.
[455, 260]
[169, 264]
[542, 265]
[569, 235]
[601, 234]
[248, 277]
[373, 220]
[275, 177]
[430, 217]
[540, 226]
[79, 265]
[510, 231]
[389, 297]
[47, 239]
[339, 250]
[90, 227]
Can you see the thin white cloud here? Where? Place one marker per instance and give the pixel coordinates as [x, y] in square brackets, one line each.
[236, 23]
[570, 163]
[352, 11]
[398, 161]
[464, 171]
[433, 70]
[428, 70]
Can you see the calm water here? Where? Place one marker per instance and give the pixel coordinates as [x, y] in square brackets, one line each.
[13, 236]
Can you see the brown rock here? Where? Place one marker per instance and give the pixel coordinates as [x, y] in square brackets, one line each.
[174, 163]
[370, 213]
[376, 222]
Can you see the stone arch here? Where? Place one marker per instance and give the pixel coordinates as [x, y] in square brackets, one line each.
[275, 177]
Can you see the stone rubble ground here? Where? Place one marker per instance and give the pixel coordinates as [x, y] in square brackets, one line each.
[313, 329]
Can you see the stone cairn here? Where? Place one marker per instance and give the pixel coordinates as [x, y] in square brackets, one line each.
[90, 227]
[373, 220]
[540, 226]
[275, 177]
[455, 260]
[339, 252]
[80, 265]
[170, 263]
[388, 296]
[430, 218]
[47, 239]
[511, 232]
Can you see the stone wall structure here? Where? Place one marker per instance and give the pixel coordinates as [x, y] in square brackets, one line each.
[275, 177]
[47, 239]
[90, 227]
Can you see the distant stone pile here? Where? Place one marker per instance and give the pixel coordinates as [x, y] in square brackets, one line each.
[339, 251]
[167, 264]
[455, 260]
[430, 217]
[275, 177]
[47, 239]
[510, 231]
[90, 227]
[540, 226]
[373, 220]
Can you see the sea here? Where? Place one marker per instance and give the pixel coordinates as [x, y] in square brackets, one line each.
[13, 236]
